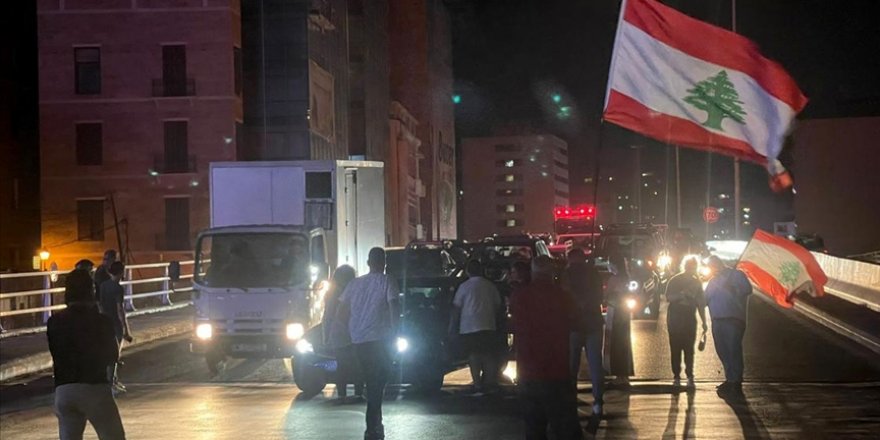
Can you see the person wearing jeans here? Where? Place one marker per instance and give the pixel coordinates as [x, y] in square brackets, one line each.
[727, 296]
[370, 306]
[582, 281]
[83, 345]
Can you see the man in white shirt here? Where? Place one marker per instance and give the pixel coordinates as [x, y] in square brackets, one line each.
[477, 304]
[370, 305]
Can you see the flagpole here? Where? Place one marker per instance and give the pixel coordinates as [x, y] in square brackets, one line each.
[736, 178]
[677, 187]
[596, 168]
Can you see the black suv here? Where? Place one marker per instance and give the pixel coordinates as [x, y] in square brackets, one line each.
[644, 245]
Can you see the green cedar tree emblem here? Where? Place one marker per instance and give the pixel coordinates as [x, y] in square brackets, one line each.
[789, 272]
[718, 98]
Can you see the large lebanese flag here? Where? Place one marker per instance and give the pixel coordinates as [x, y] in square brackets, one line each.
[781, 267]
[682, 81]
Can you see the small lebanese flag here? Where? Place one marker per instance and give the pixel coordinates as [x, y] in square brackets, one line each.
[781, 267]
[682, 81]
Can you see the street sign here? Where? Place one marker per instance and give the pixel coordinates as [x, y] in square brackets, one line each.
[710, 214]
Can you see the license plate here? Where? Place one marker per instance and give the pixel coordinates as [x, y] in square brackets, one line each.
[248, 348]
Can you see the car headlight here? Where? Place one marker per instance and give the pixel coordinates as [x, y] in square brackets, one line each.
[633, 286]
[295, 331]
[204, 331]
[402, 345]
[631, 303]
[705, 271]
[304, 346]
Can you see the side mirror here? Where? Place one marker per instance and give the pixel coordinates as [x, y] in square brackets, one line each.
[174, 270]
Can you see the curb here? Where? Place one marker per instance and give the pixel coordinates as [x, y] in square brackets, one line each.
[42, 361]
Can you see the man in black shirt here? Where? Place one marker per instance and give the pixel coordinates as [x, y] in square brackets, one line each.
[112, 296]
[582, 280]
[685, 295]
[83, 344]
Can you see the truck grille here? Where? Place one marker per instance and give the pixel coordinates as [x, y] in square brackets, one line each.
[248, 326]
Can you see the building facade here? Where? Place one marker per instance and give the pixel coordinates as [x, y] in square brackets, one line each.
[511, 184]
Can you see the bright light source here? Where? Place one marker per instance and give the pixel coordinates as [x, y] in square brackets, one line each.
[509, 164]
[194, 183]
[633, 286]
[646, 184]
[664, 261]
[620, 207]
[456, 99]
[557, 98]
[610, 179]
[631, 303]
[204, 331]
[402, 345]
[295, 331]
[510, 371]
[44, 254]
[304, 346]
[705, 271]
[153, 173]
[747, 209]
[638, 262]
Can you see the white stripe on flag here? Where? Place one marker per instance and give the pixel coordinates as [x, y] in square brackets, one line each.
[775, 260]
[659, 77]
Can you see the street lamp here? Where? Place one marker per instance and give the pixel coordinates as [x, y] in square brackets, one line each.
[44, 255]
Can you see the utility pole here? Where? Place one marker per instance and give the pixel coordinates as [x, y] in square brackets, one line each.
[736, 179]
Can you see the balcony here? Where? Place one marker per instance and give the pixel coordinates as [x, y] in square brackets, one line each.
[169, 165]
[168, 242]
[163, 88]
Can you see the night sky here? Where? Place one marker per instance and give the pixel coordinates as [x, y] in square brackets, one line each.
[511, 57]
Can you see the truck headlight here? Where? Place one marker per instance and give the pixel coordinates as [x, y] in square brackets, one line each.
[304, 346]
[664, 261]
[631, 303]
[402, 345]
[295, 331]
[204, 331]
[633, 286]
[705, 271]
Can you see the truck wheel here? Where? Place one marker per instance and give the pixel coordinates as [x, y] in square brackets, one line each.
[214, 360]
[309, 379]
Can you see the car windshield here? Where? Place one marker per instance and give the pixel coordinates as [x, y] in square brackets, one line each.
[252, 260]
[581, 241]
[421, 262]
[630, 246]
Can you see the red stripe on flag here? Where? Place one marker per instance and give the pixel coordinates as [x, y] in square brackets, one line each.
[629, 113]
[714, 45]
[813, 269]
[766, 283]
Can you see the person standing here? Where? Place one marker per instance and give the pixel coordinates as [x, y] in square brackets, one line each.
[582, 280]
[370, 306]
[727, 296]
[111, 304]
[685, 295]
[477, 305]
[543, 318]
[337, 337]
[83, 345]
[618, 321]
[102, 272]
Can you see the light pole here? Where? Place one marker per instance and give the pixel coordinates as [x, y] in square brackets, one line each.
[44, 256]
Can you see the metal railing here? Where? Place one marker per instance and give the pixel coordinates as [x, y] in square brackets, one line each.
[146, 286]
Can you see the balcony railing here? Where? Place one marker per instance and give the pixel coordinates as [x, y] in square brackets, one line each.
[163, 88]
[168, 165]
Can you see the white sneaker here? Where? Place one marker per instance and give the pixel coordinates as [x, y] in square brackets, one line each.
[691, 384]
[676, 382]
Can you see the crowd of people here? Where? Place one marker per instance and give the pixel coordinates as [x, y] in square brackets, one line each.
[556, 317]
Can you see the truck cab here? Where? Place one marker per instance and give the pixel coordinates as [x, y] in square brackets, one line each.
[257, 289]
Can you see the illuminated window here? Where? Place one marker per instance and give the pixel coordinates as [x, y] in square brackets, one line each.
[509, 163]
[510, 223]
[512, 208]
[509, 178]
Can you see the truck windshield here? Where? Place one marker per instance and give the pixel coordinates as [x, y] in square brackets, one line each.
[252, 260]
[629, 246]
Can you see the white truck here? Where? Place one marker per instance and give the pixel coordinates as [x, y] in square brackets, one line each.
[277, 231]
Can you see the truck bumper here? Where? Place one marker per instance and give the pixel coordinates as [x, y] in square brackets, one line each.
[246, 346]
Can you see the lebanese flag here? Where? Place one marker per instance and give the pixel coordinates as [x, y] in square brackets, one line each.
[682, 81]
[781, 267]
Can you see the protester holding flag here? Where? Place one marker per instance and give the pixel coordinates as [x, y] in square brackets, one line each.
[727, 296]
[780, 268]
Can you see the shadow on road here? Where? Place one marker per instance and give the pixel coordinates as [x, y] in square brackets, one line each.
[751, 424]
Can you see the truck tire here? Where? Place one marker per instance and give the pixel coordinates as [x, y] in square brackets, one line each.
[308, 379]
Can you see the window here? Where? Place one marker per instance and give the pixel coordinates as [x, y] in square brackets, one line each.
[237, 66]
[318, 185]
[177, 224]
[508, 192]
[560, 164]
[89, 143]
[87, 69]
[508, 223]
[507, 148]
[509, 208]
[507, 178]
[90, 220]
[561, 179]
[174, 70]
[322, 102]
[508, 163]
[176, 151]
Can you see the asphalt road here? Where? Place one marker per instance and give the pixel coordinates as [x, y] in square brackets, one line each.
[803, 382]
